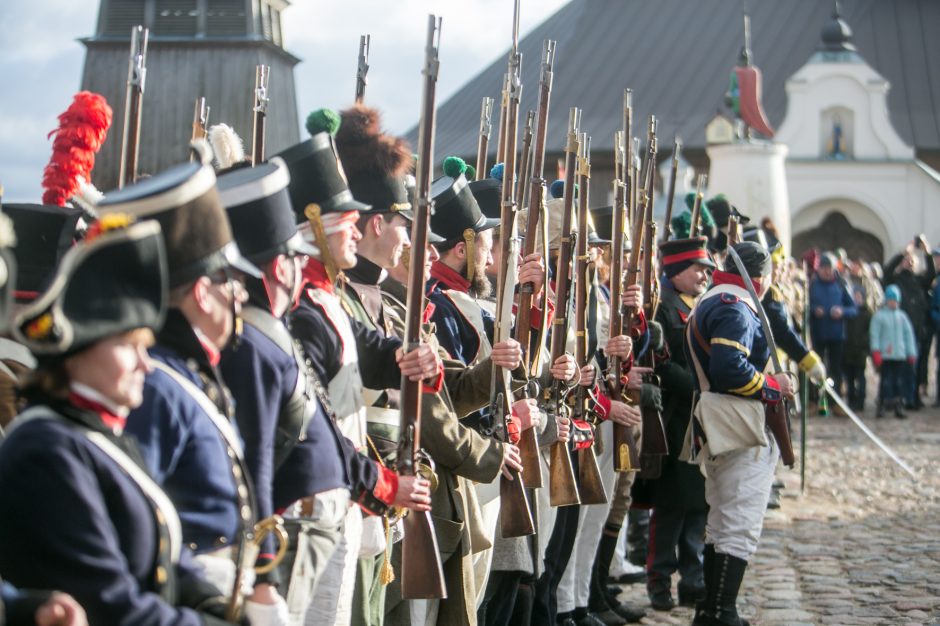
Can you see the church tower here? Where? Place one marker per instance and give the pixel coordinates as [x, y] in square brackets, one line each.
[196, 48]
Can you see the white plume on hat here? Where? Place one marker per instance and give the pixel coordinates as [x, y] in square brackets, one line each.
[226, 145]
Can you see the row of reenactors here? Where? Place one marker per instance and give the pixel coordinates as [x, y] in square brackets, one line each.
[208, 407]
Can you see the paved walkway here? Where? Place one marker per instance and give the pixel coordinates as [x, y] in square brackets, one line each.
[861, 545]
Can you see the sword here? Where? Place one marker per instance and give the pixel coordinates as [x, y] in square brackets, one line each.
[829, 389]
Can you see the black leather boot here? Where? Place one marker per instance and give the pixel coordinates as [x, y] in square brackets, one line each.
[705, 608]
[728, 571]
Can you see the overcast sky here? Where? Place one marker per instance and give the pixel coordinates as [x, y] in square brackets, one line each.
[41, 62]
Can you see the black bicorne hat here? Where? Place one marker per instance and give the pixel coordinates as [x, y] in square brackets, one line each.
[375, 162]
[104, 286]
[259, 211]
[185, 200]
[678, 254]
[456, 210]
[316, 177]
[44, 233]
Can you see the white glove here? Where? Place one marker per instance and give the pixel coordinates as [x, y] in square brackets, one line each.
[267, 614]
[817, 373]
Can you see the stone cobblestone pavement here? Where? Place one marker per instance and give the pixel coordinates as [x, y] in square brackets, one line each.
[860, 546]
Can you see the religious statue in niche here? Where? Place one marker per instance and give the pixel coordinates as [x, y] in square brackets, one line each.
[836, 145]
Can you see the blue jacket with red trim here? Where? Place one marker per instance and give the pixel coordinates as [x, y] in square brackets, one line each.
[729, 344]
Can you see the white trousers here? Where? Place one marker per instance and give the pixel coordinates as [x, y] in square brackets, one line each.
[575, 586]
[332, 602]
[737, 487]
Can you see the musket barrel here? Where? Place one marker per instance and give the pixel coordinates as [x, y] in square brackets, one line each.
[133, 101]
[486, 127]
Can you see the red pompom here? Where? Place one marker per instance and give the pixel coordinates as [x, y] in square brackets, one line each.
[82, 130]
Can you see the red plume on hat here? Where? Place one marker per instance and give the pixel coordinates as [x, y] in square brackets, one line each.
[364, 149]
[81, 132]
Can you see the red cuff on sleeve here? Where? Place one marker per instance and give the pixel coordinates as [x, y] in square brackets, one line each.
[771, 393]
[601, 403]
[537, 315]
[514, 429]
[639, 325]
[386, 486]
[437, 384]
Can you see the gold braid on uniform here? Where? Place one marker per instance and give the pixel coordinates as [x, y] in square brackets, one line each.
[314, 216]
[468, 236]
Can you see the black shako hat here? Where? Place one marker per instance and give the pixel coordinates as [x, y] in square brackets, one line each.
[185, 200]
[722, 210]
[488, 193]
[375, 163]
[754, 257]
[601, 227]
[676, 255]
[410, 184]
[457, 214]
[259, 211]
[317, 177]
[44, 233]
[109, 284]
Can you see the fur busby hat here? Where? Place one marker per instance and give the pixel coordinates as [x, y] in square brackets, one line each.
[679, 254]
[316, 173]
[113, 282]
[260, 213]
[44, 233]
[185, 200]
[375, 163]
[457, 215]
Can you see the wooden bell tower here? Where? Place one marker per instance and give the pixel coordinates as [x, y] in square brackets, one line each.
[196, 48]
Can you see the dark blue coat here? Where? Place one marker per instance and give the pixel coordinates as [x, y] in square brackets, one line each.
[183, 449]
[379, 370]
[71, 519]
[785, 336]
[827, 294]
[731, 347]
[262, 378]
[455, 333]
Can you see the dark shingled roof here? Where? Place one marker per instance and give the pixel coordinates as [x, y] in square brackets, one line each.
[677, 56]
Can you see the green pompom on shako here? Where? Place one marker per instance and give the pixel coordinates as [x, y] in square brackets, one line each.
[470, 173]
[324, 121]
[454, 166]
[681, 225]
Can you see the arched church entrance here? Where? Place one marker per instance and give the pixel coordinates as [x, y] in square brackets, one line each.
[835, 231]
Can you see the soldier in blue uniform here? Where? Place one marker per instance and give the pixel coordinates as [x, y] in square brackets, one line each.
[185, 424]
[728, 350]
[327, 214]
[266, 372]
[118, 549]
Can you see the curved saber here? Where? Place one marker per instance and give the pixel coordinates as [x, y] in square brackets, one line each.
[858, 422]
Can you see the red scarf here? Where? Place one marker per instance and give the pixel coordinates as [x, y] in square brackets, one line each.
[726, 278]
[315, 275]
[108, 418]
[449, 277]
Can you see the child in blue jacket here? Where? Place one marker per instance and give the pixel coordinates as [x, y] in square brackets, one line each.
[893, 350]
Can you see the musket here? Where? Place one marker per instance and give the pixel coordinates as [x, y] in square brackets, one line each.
[734, 230]
[486, 127]
[700, 183]
[362, 69]
[133, 100]
[626, 455]
[563, 489]
[524, 162]
[536, 201]
[515, 513]
[590, 486]
[667, 225]
[515, 61]
[260, 109]
[200, 122]
[653, 443]
[421, 575]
